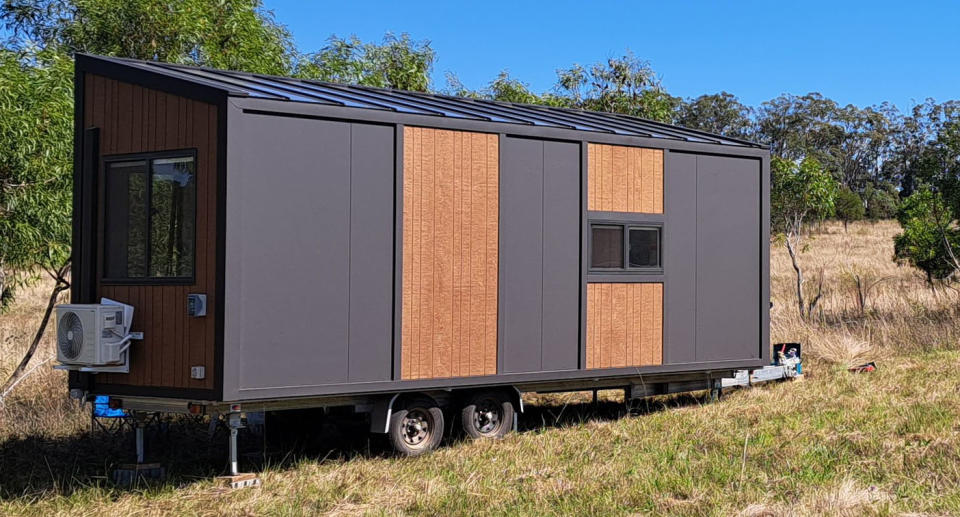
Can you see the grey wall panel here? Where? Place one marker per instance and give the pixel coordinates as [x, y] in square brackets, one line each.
[371, 253]
[680, 258]
[290, 186]
[308, 295]
[765, 350]
[561, 255]
[539, 255]
[728, 258]
[521, 254]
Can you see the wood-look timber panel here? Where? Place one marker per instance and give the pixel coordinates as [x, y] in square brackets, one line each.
[133, 119]
[450, 253]
[624, 179]
[624, 324]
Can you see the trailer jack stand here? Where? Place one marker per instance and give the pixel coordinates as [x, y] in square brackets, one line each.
[716, 390]
[131, 473]
[236, 479]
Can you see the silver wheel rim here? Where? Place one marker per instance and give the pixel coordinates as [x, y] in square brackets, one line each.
[487, 416]
[416, 427]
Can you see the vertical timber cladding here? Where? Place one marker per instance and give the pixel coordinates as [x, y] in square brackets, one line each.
[133, 119]
[624, 320]
[624, 179]
[624, 324]
[450, 253]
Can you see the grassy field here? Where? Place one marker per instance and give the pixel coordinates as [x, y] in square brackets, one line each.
[836, 443]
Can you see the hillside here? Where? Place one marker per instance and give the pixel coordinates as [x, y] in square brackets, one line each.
[882, 443]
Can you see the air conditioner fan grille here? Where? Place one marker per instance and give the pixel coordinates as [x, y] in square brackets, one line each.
[70, 335]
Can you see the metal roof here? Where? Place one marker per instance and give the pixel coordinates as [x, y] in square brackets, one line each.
[242, 84]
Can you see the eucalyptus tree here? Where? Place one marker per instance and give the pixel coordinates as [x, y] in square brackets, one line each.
[232, 34]
[929, 240]
[626, 85]
[799, 192]
[849, 207]
[720, 113]
[798, 127]
[912, 135]
[36, 126]
[36, 149]
[396, 62]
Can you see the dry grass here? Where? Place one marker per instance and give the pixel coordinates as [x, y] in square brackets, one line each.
[37, 405]
[886, 443]
[901, 313]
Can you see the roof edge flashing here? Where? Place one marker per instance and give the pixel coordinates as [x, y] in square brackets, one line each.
[212, 85]
[152, 75]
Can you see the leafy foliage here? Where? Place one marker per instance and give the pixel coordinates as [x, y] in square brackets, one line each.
[798, 193]
[626, 85]
[850, 142]
[849, 206]
[911, 139]
[399, 63]
[939, 164]
[930, 236]
[721, 113]
[882, 202]
[929, 241]
[36, 148]
[507, 89]
[233, 34]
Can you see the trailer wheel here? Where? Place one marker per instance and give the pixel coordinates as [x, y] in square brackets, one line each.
[417, 428]
[487, 415]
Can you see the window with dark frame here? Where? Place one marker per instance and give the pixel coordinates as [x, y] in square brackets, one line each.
[624, 247]
[150, 217]
[606, 247]
[644, 248]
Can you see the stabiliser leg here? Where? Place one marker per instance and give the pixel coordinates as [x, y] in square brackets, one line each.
[235, 424]
[130, 474]
[235, 479]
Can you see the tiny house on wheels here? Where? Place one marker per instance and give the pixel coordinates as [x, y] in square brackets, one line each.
[254, 243]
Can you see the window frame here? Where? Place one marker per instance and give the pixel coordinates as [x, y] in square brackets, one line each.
[149, 158]
[626, 223]
[658, 230]
[623, 252]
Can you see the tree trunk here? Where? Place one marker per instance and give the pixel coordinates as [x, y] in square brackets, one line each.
[60, 286]
[796, 268]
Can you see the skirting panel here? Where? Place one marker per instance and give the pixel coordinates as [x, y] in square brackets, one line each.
[450, 253]
[624, 324]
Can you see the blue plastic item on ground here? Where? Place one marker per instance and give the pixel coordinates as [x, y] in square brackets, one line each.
[101, 408]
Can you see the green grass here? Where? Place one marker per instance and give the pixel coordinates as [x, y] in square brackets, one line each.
[839, 443]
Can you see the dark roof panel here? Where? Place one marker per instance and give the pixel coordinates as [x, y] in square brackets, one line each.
[364, 97]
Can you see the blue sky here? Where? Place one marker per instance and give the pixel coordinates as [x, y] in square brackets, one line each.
[853, 52]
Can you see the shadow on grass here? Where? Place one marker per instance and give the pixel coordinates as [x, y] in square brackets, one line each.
[559, 415]
[38, 466]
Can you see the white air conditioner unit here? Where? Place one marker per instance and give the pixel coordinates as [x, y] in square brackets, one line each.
[94, 337]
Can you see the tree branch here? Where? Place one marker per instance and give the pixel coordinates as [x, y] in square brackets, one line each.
[62, 284]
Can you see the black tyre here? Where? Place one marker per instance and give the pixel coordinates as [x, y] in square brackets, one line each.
[417, 427]
[487, 415]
